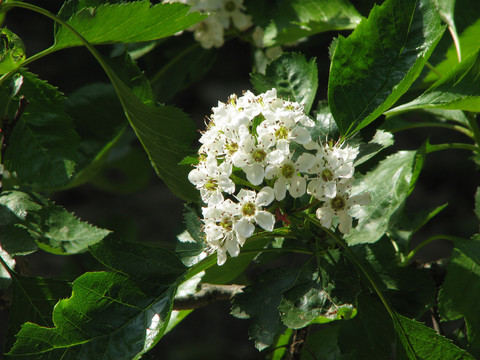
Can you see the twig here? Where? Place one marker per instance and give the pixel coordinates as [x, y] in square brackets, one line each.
[208, 294]
[298, 342]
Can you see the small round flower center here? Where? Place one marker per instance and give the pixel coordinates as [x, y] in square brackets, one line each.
[282, 133]
[327, 175]
[226, 223]
[231, 148]
[259, 155]
[211, 185]
[248, 209]
[338, 203]
[287, 170]
[230, 6]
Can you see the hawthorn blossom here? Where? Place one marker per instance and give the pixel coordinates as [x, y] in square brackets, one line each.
[339, 206]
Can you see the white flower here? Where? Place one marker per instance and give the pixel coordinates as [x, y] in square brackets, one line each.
[250, 211]
[339, 206]
[212, 179]
[254, 154]
[233, 9]
[209, 32]
[219, 223]
[287, 176]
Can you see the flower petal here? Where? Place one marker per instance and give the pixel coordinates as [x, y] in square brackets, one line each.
[244, 228]
[265, 196]
[297, 186]
[255, 173]
[280, 188]
[265, 219]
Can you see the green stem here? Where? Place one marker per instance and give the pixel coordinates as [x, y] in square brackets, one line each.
[26, 62]
[365, 271]
[430, 66]
[413, 252]
[459, 128]
[472, 122]
[89, 46]
[449, 146]
[172, 62]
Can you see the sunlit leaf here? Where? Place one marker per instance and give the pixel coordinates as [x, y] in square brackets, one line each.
[12, 51]
[377, 63]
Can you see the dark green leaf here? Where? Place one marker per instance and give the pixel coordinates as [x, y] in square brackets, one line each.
[136, 21]
[323, 343]
[294, 78]
[389, 185]
[125, 174]
[16, 240]
[99, 120]
[5, 277]
[33, 299]
[139, 261]
[446, 8]
[379, 61]
[296, 19]
[427, 344]
[380, 141]
[186, 66]
[260, 302]
[107, 316]
[42, 147]
[370, 334]
[12, 51]
[458, 90]
[468, 44]
[58, 231]
[166, 133]
[461, 288]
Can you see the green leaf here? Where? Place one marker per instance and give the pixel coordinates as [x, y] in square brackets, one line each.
[379, 61]
[446, 8]
[380, 141]
[12, 51]
[458, 90]
[389, 185]
[99, 120]
[186, 65]
[107, 316]
[296, 19]
[323, 342]
[124, 174]
[5, 277]
[58, 231]
[53, 228]
[139, 261]
[16, 240]
[33, 299]
[460, 289]
[468, 44]
[427, 344]
[42, 146]
[369, 334]
[136, 21]
[166, 134]
[260, 302]
[294, 78]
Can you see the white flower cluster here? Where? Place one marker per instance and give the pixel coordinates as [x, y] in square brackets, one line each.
[253, 135]
[209, 32]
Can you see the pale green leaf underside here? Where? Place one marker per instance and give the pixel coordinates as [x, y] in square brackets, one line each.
[379, 61]
[126, 22]
[388, 185]
[295, 19]
[458, 90]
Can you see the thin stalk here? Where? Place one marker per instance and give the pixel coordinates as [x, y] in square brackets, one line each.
[449, 146]
[413, 252]
[430, 66]
[369, 277]
[167, 67]
[472, 122]
[89, 46]
[458, 128]
[26, 62]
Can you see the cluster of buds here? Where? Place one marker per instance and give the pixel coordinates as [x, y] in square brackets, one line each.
[256, 151]
[225, 13]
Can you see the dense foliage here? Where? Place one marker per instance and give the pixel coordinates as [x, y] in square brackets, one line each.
[296, 203]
